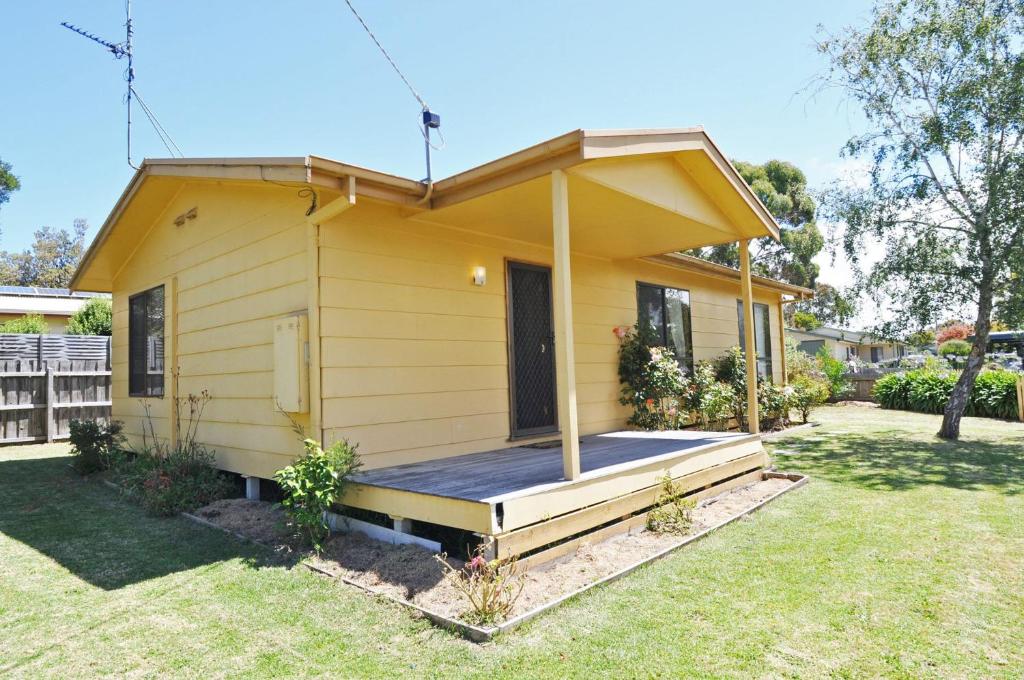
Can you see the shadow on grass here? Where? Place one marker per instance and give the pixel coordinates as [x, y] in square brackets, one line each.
[101, 538]
[898, 459]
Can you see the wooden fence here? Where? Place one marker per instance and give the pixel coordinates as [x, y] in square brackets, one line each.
[46, 381]
[1020, 398]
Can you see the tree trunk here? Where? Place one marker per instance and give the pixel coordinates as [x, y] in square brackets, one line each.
[965, 385]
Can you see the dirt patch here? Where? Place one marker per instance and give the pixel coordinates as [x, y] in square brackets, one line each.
[857, 404]
[411, 572]
[260, 521]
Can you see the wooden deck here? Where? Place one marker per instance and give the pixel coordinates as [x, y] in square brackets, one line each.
[496, 476]
[508, 491]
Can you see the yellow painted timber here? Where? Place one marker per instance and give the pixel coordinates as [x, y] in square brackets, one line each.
[535, 536]
[451, 512]
[628, 524]
[526, 510]
[782, 345]
[753, 419]
[565, 358]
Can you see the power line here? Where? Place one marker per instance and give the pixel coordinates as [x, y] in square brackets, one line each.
[388, 57]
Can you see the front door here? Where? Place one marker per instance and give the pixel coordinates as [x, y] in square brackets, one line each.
[531, 354]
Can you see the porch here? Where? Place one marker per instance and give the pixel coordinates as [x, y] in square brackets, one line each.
[520, 497]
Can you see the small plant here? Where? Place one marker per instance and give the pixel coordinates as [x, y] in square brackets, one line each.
[313, 484]
[672, 512]
[491, 587]
[171, 478]
[835, 372]
[94, 445]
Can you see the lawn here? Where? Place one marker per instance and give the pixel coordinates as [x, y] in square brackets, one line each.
[903, 557]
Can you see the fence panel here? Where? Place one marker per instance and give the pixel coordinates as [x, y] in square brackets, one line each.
[46, 381]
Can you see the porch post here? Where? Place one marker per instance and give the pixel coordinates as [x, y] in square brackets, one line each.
[565, 356]
[750, 350]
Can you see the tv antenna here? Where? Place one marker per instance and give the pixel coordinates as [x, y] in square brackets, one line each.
[430, 120]
[123, 50]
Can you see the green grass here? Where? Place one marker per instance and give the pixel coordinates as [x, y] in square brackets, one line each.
[903, 557]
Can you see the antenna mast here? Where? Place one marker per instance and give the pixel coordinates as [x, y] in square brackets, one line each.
[120, 50]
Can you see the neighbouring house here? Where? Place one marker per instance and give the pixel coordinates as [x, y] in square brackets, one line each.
[846, 345]
[55, 305]
[1005, 341]
[460, 332]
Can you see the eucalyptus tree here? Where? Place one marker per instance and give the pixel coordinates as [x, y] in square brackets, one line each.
[941, 85]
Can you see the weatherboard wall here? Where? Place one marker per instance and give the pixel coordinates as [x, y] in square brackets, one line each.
[228, 273]
[414, 356]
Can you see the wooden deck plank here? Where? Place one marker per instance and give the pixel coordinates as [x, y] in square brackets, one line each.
[491, 475]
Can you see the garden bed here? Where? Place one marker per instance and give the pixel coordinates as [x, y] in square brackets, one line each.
[410, 575]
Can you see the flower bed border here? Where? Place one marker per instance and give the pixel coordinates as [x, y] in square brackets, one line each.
[480, 634]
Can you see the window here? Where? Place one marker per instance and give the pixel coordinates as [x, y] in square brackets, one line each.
[762, 338]
[876, 354]
[667, 310]
[146, 343]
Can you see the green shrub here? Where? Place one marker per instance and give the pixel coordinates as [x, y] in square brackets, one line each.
[893, 391]
[806, 394]
[994, 395]
[174, 480]
[33, 324]
[711, 402]
[313, 484]
[954, 348]
[772, 406]
[835, 372]
[928, 391]
[652, 381]
[94, 318]
[731, 369]
[94, 445]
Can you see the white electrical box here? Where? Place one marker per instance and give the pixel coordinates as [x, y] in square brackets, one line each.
[291, 364]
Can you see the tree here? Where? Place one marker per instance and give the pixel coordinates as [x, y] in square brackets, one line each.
[829, 305]
[30, 323]
[782, 187]
[806, 321]
[953, 330]
[922, 339]
[51, 261]
[8, 182]
[94, 318]
[941, 84]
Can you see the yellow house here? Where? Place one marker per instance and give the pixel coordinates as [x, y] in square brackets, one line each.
[460, 332]
[848, 345]
[55, 305]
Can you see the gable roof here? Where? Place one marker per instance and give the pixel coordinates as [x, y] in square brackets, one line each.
[689, 150]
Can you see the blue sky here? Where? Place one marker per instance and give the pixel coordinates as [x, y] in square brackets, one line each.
[291, 78]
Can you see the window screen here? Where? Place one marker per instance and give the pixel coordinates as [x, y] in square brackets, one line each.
[146, 343]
